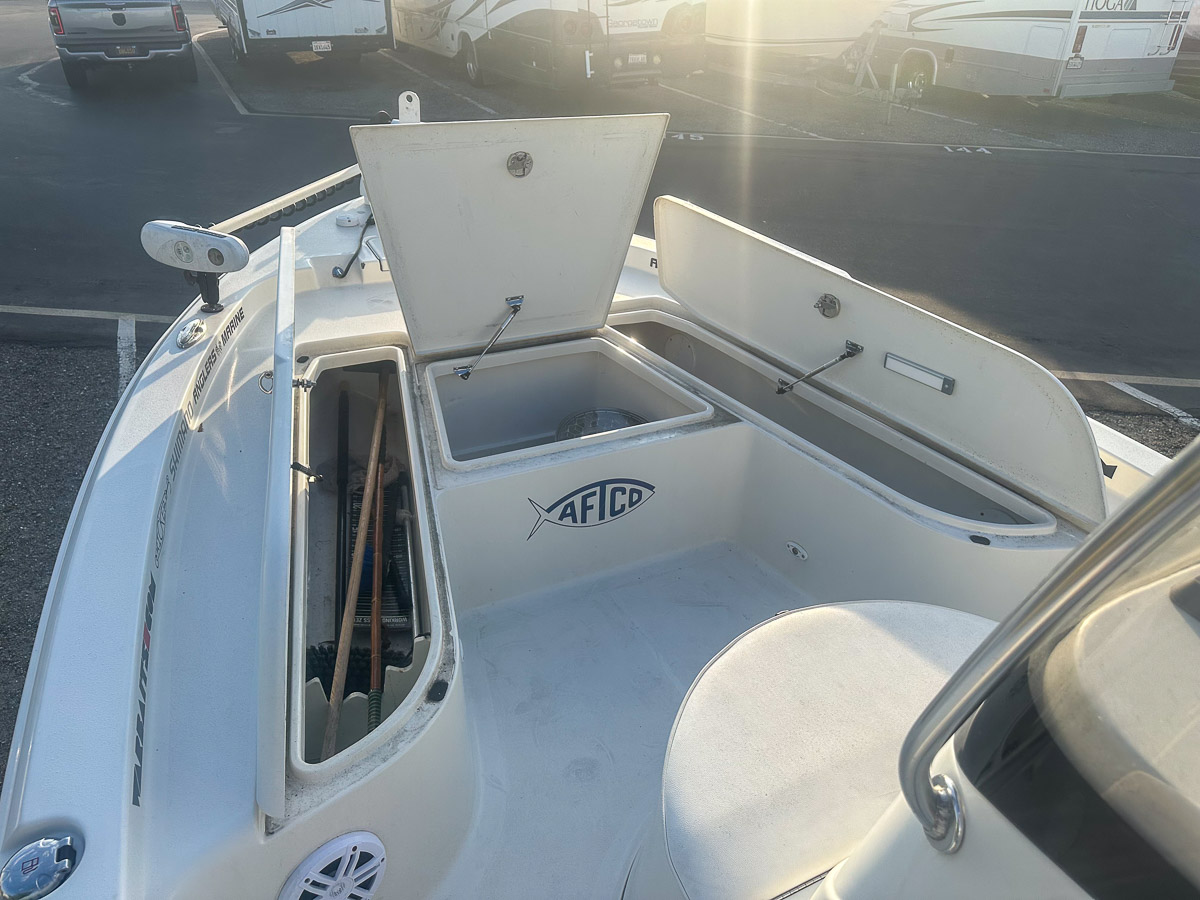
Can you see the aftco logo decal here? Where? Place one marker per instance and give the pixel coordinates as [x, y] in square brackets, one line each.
[593, 504]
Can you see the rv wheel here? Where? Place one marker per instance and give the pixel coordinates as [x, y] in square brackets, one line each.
[238, 56]
[917, 73]
[470, 63]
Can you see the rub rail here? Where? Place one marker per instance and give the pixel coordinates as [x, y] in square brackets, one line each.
[289, 203]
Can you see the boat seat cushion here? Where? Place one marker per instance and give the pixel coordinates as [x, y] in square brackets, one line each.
[785, 750]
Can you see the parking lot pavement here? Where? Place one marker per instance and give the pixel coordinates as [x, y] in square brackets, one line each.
[54, 407]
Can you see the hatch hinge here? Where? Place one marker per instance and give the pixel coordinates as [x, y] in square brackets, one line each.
[304, 384]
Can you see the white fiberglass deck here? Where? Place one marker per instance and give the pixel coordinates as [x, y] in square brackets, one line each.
[573, 692]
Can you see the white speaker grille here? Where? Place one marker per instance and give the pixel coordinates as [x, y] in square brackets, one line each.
[349, 867]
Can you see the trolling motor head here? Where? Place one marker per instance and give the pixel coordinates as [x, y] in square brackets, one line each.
[203, 254]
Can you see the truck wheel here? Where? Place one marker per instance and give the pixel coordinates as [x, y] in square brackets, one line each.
[470, 63]
[185, 67]
[77, 78]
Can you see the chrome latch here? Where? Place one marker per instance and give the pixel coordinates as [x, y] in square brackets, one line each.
[514, 305]
[38, 868]
[828, 305]
[852, 350]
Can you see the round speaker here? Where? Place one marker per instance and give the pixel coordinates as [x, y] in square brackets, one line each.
[349, 867]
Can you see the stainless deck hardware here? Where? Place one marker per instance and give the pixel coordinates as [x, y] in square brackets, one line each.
[189, 334]
[919, 373]
[313, 477]
[519, 164]
[514, 305]
[305, 384]
[852, 350]
[38, 868]
[829, 306]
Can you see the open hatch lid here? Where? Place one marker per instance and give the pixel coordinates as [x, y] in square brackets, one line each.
[467, 221]
[988, 406]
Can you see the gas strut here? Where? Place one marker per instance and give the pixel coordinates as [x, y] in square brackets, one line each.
[343, 504]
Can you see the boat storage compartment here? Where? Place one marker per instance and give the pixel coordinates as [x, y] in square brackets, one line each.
[547, 209]
[914, 471]
[336, 422]
[520, 400]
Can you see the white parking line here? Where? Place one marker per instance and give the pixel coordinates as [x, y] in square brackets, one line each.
[1174, 411]
[233, 98]
[391, 55]
[992, 148]
[33, 88]
[82, 314]
[126, 352]
[744, 112]
[236, 100]
[1157, 380]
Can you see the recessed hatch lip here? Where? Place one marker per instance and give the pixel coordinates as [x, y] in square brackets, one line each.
[1041, 521]
[407, 719]
[702, 410]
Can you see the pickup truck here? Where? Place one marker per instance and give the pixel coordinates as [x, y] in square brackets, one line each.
[95, 33]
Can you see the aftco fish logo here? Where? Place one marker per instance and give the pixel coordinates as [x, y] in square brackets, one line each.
[594, 504]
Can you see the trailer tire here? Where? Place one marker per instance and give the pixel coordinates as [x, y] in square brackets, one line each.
[76, 74]
[185, 68]
[470, 63]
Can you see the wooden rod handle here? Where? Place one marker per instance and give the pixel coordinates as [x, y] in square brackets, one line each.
[329, 745]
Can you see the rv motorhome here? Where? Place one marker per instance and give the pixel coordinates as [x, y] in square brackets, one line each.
[751, 34]
[345, 29]
[559, 43]
[1034, 48]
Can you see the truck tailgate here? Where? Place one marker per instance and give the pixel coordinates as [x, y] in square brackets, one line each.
[117, 19]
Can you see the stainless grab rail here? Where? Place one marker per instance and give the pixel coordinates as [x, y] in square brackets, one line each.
[298, 198]
[1170, 499]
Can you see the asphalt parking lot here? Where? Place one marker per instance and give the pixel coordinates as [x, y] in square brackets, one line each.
[1069, 230]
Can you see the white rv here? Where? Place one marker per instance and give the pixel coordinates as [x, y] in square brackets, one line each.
[1042, 48]
[559, 43]
[340, 28]
[769, 34]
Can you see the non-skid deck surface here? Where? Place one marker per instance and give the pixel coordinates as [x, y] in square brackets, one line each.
[572, 693]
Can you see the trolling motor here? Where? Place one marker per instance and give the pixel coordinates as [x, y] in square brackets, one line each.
[203, 254]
